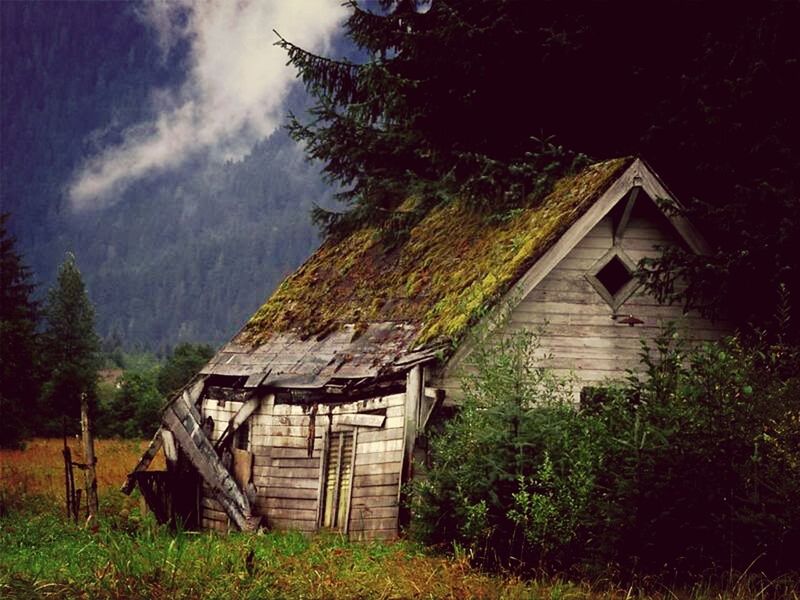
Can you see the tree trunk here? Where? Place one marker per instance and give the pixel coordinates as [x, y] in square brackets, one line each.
[89, 457]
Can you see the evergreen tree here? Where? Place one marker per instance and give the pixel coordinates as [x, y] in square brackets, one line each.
[70, 349]
[19, 385]
[452, 100]
[429, 113]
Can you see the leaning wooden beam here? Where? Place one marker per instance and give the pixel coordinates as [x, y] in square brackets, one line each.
[190, 392]
[170, 450]
[180, 419]
[244, 412]
[625, 217]
[432, 400]
[144, 462]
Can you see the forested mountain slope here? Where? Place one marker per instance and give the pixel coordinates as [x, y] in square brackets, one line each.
[184, 255]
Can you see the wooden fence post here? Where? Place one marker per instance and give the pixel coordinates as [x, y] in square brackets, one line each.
[69, 485]
[89, 457]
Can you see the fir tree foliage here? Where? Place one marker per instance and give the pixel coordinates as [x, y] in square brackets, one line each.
[70, 347]
[412, 121]
[489, 100]
[18, 319]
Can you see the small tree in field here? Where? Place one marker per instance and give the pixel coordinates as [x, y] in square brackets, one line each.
[70, 349]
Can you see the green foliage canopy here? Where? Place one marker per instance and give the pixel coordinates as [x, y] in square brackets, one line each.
[132, 409]
[181, 365]
[693, 467]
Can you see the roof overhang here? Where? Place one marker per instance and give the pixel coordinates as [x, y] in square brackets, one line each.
[344, 359]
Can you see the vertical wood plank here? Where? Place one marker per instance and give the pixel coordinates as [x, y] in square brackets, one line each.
[346, 527]
[92, 503]
[323, 469]
[337, 482]
[413, 393]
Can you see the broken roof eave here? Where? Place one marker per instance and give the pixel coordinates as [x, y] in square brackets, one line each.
[288, 361]
[407, 305]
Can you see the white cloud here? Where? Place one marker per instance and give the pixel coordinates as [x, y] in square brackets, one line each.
[234, 92]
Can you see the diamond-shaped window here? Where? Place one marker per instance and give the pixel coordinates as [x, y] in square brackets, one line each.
[612, 277]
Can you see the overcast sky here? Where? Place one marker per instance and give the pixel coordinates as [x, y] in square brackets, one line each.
[233, 94]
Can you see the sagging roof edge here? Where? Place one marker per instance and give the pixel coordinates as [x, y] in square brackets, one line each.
[193, 390]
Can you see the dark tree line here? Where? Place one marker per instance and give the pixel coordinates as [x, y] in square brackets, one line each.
[490, 99]
[18, 318]
[50, 358]
[46, 367]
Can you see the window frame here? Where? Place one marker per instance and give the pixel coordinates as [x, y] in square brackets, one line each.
[615, 301]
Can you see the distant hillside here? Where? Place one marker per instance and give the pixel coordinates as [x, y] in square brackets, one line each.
[186, 255]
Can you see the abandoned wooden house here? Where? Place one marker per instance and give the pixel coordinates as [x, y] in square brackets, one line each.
[310, 417]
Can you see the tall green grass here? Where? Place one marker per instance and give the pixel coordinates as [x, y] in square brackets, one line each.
[128, 556]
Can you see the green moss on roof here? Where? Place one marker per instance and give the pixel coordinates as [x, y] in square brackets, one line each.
[452, 267]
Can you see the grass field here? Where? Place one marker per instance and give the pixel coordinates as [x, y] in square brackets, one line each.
[42, 555]
[39, 468]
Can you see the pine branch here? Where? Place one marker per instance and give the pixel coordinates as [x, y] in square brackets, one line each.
[321, 75]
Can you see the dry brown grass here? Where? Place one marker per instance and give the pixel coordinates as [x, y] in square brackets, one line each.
[38, 470]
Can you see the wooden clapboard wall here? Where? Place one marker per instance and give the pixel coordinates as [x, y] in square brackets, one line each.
[212, 514]
[579, 332]
[376, 478]
[285, 476]
[290, 483]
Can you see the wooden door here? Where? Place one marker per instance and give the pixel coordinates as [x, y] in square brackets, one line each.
[338, 478]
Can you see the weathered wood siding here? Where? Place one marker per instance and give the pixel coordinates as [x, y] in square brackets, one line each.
[289, 482]
[285, 476]
[212, 514]
[579, 332]
[376, 479]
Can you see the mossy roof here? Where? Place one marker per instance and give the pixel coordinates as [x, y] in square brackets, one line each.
[453, 265]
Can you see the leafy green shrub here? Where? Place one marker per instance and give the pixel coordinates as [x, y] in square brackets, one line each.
[693, 465]
[181, 365]
[513, 471]
[700, 460]
[133, 409]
